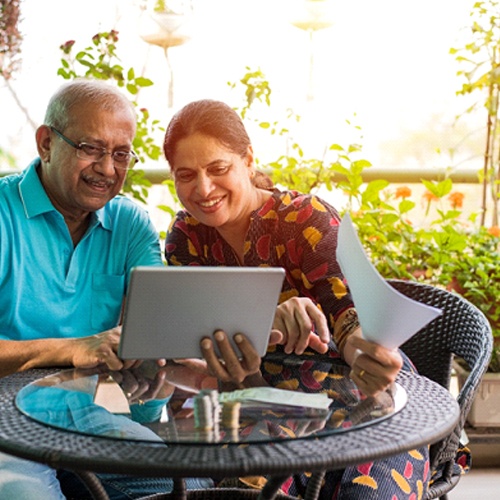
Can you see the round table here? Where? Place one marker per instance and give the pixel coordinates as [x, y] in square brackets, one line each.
[429, 414]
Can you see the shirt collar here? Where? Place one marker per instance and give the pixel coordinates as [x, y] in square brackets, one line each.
[36, 202]
[33, 195]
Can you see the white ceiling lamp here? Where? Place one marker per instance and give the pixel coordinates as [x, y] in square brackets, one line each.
[166, 24]
[312, 16]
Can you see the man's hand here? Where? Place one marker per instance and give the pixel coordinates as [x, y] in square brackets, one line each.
[101, 348]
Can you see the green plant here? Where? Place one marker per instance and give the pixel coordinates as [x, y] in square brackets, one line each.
[292, 169]
[450, 250]
[100, 60]
[481, 58]
[475, 274]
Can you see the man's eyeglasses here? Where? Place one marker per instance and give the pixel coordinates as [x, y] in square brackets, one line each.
[93, 153]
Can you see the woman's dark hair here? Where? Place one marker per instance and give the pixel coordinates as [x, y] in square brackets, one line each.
[208, 117]
[214, 119]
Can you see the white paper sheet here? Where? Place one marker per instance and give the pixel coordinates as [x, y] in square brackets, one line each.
[386, 316]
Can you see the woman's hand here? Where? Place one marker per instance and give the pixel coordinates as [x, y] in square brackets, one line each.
[373, 368]
[298, 324]
[230, 367]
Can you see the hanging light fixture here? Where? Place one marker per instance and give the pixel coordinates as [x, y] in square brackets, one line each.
[166, 24]
[312, 16]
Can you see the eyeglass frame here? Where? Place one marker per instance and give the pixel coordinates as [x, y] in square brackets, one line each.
[79, 147]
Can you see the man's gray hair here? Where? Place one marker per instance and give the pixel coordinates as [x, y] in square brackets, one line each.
[83, 90]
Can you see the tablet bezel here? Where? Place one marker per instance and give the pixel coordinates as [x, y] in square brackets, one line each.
[169, 309]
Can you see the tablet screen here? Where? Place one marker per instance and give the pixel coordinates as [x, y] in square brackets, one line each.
[170, 309]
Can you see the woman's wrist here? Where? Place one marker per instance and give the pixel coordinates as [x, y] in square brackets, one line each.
[345, 326]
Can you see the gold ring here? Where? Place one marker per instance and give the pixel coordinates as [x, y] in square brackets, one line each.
[361, 373]
[140, 401]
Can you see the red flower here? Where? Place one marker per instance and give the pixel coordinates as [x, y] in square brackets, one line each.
[66, 47]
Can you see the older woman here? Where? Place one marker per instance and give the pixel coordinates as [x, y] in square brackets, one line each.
[234, 217]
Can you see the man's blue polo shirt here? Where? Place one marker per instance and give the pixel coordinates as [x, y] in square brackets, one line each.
[48, 288]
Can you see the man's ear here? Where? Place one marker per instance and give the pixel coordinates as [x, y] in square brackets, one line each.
[43, 142]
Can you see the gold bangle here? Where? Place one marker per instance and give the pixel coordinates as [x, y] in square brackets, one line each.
[349, 324]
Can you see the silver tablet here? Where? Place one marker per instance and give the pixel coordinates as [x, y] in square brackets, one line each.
[169, 309]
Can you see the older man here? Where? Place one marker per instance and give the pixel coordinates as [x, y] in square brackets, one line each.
[67, 245]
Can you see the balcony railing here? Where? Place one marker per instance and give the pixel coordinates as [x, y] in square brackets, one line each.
[400, 176]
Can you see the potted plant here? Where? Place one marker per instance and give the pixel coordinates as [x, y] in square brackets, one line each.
[476, 276]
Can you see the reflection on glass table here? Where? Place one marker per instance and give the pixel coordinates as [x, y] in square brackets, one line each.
[174, 405]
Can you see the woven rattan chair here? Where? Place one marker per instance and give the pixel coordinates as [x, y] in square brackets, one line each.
[461, 331]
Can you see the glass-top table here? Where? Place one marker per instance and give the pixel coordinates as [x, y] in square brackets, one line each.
[429, 415]
[174, 405]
